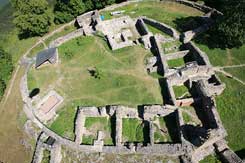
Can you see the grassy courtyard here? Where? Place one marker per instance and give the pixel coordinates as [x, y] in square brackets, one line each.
[166, 129]
[132, 130]
[93, 125]
[123, 79]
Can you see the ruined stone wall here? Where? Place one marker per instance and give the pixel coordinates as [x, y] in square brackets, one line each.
[200, 56]
[141, 27]
[63, 39]
[55, 155]
[118, 128]
[198, 6]
[79, 126]
[160, 55]
[176, 55]
[161, 26]
[172, 98]
[189, 35]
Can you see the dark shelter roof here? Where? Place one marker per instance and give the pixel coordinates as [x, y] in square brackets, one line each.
[46, 55]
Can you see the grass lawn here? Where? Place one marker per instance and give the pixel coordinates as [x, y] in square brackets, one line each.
[180, 91]
[230, 106]
[176, 62]
[238, 72]
[124, 79]
[161, 133]
[132, 130]
[224, 57]
[64, 124]
[210, 159]
[166, 12]
[168, 46]
[36, 50]
[157, 31]
[187, 118]
[46, 156]
[95, 124]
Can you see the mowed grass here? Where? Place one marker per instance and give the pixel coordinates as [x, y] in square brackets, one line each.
[238, 72]
[64, 125]
[123, 79]
[166, 12]
[181, 90]
[95, 124]
[210, 159]
[230, 106]
[132, 130]
[176, 62]
[224, 57]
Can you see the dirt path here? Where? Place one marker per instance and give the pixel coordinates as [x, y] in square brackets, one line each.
[229, 75]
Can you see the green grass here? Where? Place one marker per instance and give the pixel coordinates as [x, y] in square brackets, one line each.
[210, 159]
[171, 44]
[187, 118]
[88, 139]
[124, 79]
[176, 62]
[166, 12]
[64, 124]
[159, 136]
[180, 91]
[36, 50]
[132, 130]
[237, 72]
[224, 57]
[230, 106]
[46, 156]
[65, 31]
[95, 124]
[157, 31]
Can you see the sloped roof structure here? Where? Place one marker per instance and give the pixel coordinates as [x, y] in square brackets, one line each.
[46, 55]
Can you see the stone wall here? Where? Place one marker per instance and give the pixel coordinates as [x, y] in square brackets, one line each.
[63, 39]
[200, 56]
[79, 126]
[141, 27]
[118, 128]
[198, 6]
[55, 155]
[161, 26]
[176, 55]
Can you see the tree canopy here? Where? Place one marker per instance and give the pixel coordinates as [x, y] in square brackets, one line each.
[230, 29]
[32, 17]
[6, 68]
[66, 10]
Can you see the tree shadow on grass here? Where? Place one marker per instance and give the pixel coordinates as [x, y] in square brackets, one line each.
[241, 153]
[34, 92]
[188, 23]
[211, 38]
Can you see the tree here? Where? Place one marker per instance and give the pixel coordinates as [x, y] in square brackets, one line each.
[66, 10]
[2, 88]
[230, 29]
[6, 68]
[32, 17]
[102, 3]
[233, 23]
